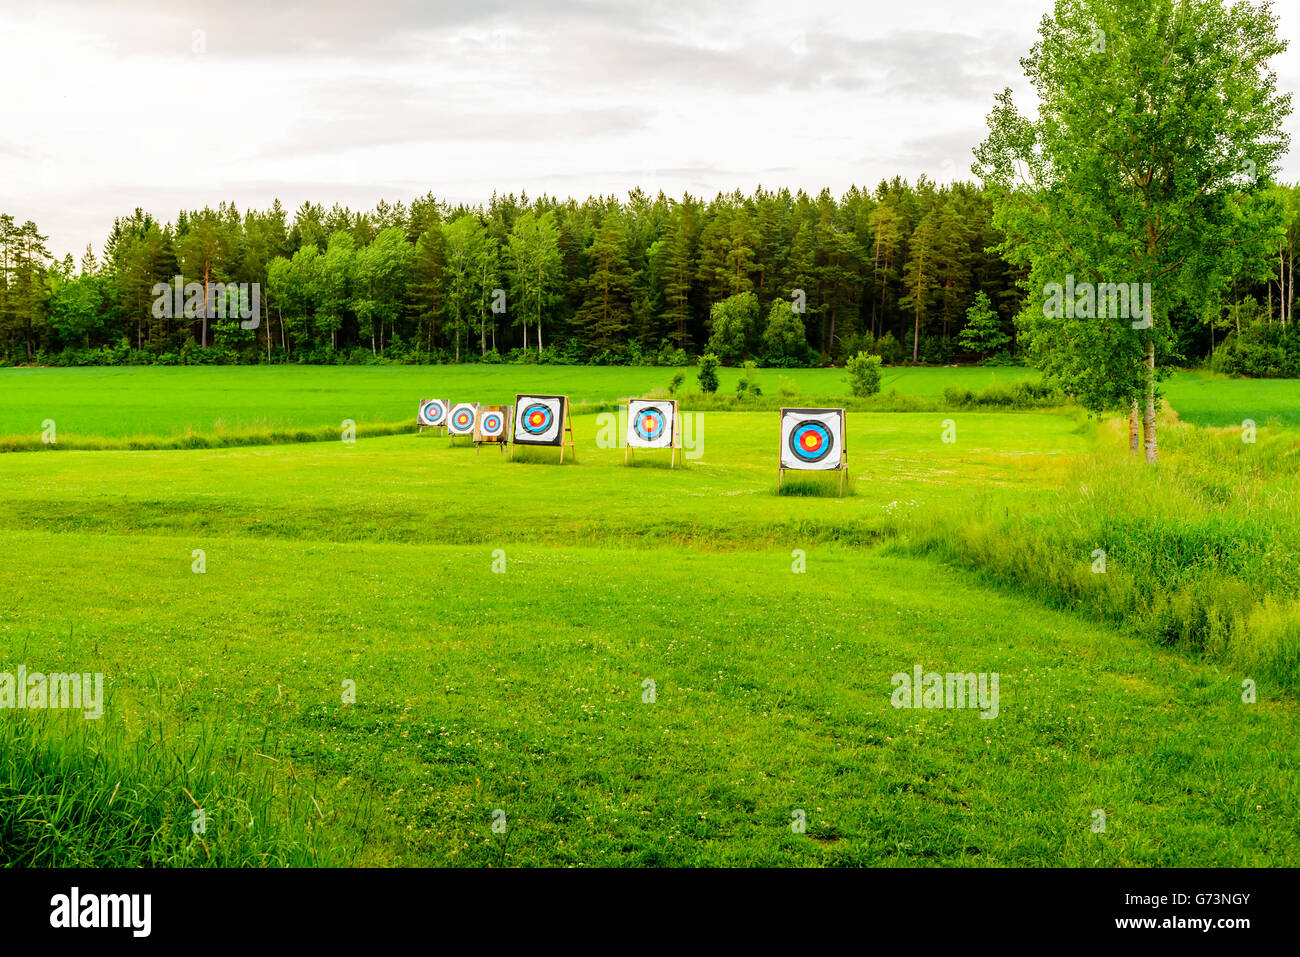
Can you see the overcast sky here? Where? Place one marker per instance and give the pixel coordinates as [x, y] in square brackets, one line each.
[105, 106]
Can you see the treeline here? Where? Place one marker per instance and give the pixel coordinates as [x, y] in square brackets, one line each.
[784, 278]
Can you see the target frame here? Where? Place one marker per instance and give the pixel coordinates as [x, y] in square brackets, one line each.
[430, 421]
[543, 420]
[667, 435]
[457, 424]
[812, 440]
[492, 425]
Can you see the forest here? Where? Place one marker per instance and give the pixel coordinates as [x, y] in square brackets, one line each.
[784, 278]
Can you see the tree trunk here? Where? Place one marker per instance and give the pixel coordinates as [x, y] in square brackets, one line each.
[1134, 443]
[1149, 416]
[204, 343]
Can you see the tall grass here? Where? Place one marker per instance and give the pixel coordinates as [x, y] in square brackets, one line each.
[217, 439]
[78, 793]
[1201, 552]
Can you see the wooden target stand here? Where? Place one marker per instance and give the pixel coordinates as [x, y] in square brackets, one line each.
[629, 451]
[501, 440]
[842, 468]
[566, 431]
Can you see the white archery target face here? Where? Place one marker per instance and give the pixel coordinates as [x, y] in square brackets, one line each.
[650, 423]
[812, 438]
[461, 419]
[538, 419]
[433, 412]
[491, 423]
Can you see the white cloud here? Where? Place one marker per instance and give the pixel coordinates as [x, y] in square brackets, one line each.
[349, 102]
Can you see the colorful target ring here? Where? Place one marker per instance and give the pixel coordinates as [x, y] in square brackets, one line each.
[462, 419]
[433, 412]
[810, 441]
[650, 424]
[492, 424]
[536, 419]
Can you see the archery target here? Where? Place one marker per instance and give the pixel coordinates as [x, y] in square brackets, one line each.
[491, 425]
[812, 438]
[538, 419]
[433, 412]
[461, 419]
[650, 423]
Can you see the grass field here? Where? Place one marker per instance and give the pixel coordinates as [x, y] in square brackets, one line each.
[524, 690]
[107, 404]
[119, 403]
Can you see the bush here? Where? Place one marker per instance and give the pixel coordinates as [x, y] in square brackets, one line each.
[673, 357]
[888, 348]
[1022, 394]
[1002, 358]
[864, 374]
[678, 379]
[733, 322]
[708, 374]
[785, 343]
[1264, 350]
[748, 385]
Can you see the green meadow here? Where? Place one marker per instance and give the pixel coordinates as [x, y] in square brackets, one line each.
[642, 665]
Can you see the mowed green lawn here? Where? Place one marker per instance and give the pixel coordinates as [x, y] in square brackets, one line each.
[525, 691]
[1204, 398]
[125, 402]
[160, 403]
[416, 488]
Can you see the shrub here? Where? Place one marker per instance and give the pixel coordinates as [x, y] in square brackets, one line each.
[748, 385]
[1261, 350]
[708, 375]
[733, 322]
[864, 374]
[888, 348]
[785, 342]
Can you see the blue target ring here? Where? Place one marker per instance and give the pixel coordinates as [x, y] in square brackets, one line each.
[650, 424]
[433, 412]
[463, 419]
[493, 423]
[810, 441]
[536, 419]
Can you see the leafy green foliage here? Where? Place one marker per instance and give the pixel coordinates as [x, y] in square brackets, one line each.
[983, 332]
[1157, 125]
[708, 374]
[864, 374]
[734, 326]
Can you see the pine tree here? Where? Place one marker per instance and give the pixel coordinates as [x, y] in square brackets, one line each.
[920, 277]
[606, 313]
